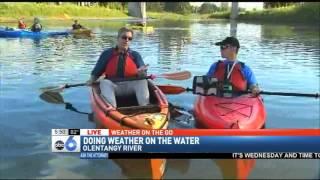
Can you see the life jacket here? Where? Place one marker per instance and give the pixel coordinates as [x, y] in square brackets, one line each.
[76, 26]
[130, 67]
[237, 79]
[34, 29]
[22, 25]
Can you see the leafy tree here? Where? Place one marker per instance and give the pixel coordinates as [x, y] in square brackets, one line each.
[207, 8]
[278, 4]
[114, 5]
[155, 6]
[178, 7]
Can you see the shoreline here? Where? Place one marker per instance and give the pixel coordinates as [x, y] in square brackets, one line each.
[307, 13]
[14, 20]
[129, 18]
[133, 19]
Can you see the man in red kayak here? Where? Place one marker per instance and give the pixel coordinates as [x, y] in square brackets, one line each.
[235, 75]
[121, 62]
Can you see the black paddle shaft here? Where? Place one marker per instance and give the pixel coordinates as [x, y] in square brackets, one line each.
[316, 95]
[290, 94]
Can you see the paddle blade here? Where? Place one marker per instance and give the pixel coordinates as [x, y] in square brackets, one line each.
[52, 97]
[171, 89]
[183, 75]
[56, 89]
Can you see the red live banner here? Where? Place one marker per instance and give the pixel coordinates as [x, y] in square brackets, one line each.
[214, 132]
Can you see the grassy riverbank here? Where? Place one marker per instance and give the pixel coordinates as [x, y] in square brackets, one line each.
[13, 11]
[308, 13]
[10, 12]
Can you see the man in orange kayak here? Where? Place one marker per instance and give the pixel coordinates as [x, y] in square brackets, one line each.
[76, 25]
[21, 24]
[121, 62]
[235, 75]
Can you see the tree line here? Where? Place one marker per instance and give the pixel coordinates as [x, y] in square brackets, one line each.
[178, 7]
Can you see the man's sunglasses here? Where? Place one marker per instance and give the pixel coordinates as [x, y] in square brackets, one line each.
[224, 47]
[125, 38]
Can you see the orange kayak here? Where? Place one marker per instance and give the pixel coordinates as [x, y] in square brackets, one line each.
[129, 115]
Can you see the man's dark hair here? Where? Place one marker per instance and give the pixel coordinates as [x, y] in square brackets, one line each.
[124, 29]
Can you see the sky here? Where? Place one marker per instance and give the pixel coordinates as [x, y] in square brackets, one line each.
[246, 5]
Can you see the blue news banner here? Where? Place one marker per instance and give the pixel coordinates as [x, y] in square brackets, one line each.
[104, 146]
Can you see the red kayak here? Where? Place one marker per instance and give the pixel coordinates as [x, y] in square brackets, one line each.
[243, 112]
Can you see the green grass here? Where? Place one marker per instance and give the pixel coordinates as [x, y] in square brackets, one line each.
[13, 11]
[220, 15]
[64, 11]
[306, 13]
[167, 15]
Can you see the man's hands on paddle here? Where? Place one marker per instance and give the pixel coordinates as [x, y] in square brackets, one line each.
[142, 71]
[255, 90]
[93, 79]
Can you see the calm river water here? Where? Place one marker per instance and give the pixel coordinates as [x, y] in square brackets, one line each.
[283, 57]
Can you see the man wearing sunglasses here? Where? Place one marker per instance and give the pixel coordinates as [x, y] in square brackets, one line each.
[235, 75]
[121, 62]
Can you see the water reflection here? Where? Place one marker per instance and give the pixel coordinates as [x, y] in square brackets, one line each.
[233, 28]
[235, 169]
[172, 43]
[36, 42]
[134, 168]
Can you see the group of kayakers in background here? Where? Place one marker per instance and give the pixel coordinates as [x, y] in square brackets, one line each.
[122, 62]
[37, 27]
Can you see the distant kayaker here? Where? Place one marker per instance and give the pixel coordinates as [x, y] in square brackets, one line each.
[121, 62]
[235, 75]
[76, 25]
[36, 27]
[21, 24]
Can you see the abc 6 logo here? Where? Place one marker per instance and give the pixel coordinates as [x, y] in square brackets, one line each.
[70, 144]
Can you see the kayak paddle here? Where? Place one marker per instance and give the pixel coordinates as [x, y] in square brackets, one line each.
[172, 89]
[183, 75]
[56, 98]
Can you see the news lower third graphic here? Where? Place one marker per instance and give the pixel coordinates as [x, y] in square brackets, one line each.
[177, 144]
[63, 141]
